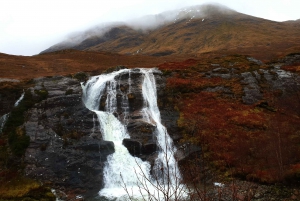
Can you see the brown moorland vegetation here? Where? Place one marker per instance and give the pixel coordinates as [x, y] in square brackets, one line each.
[248, 141]
[71, 61]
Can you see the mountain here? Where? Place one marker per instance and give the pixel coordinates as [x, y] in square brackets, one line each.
[193, 30]
[228, 93]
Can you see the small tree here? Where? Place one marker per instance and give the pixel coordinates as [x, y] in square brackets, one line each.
[160, 187]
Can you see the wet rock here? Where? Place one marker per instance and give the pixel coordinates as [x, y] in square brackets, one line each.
[251, 90]
[185, 151]
[257, 75]
[127, 92]
[218, 89]
[66, 147]
[134, 147]
[256, 61]
[80, 166]
[221, 70]
[224, 73]
[141, 130]
[169, 118]
[252, 95]
[135, 100]
[149, 148]
[267, 75]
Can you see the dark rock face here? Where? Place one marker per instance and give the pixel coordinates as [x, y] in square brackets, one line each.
[66, 147]
[134, 147]
[185, 150]
[252, 89]
[138, 149]
[130, 95]
[130, 104]
[149, 148]
[255, 81]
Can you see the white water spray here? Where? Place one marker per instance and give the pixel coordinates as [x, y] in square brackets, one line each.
[122, 169]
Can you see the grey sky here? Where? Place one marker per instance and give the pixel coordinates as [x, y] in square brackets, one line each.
[30, 26]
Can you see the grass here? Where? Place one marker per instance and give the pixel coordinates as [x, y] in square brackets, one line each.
[22, 188]
[18, 187]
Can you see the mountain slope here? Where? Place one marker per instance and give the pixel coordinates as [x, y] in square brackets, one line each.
[71, 61]
[193, 30]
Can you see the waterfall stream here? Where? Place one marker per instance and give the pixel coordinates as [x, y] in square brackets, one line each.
[122, 171]
[4, 118]
[20, 99]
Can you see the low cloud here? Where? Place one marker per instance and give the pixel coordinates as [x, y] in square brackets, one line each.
[28, 27]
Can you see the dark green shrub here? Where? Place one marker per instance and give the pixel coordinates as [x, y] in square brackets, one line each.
[17, 138]
[69, 91]
[81, 76]
[18, 141]
[116, 68]
[42, 93]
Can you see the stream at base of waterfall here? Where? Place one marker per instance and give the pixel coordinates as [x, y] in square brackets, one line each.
[124, 174]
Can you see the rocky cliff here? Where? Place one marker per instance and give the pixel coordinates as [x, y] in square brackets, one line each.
[66, 149]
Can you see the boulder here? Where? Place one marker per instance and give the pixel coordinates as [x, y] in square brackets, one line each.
[149, 148]
[141, 131]
[134, 147]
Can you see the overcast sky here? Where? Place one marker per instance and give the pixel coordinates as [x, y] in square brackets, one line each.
[29, 26]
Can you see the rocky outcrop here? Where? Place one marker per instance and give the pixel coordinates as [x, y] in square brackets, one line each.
[66, 148]
[130, 103]
[263, 77]
[252, 92]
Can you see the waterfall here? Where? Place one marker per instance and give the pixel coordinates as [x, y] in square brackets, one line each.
[20, 99]
[122, 171]
[4, 118]
[165, 165]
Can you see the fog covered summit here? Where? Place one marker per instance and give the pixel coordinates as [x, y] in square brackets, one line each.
[143, 24]
[191, 30]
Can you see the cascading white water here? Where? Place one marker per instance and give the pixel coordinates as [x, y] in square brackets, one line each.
[165, 165]
[4, 118]
[20, 99]
[122, 169]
